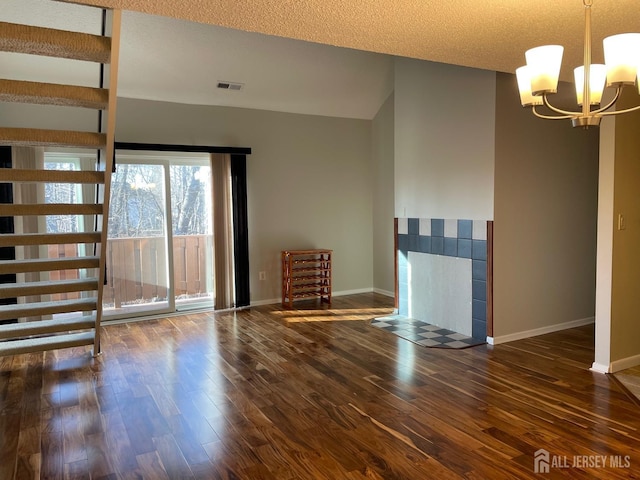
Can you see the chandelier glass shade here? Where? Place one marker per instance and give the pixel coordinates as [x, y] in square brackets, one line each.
[539, 77]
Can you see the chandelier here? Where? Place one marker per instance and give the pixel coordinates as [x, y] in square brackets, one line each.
[539, 77]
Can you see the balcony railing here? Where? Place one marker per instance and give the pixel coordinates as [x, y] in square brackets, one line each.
[137, 270]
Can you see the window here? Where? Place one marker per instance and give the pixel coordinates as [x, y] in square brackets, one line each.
[152, 268]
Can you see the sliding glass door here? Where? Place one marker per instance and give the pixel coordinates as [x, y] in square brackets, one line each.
[159, 256]
[192, 235]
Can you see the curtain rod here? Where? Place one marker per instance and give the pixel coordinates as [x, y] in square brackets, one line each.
[159, 147]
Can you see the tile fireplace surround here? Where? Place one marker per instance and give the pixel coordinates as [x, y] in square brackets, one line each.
[442, 273]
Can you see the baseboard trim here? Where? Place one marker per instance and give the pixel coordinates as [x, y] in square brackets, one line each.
[271, 301]
[624, 363]
[352, 292]
[386, 293]
[599, 368]
[540, 331]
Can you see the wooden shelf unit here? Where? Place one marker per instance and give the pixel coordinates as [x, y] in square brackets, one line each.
[306, 274]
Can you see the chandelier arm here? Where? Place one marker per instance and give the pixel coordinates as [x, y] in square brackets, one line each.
[586, 91]
[627, 110]
[558, 110]
[611, 103]
[549, 117]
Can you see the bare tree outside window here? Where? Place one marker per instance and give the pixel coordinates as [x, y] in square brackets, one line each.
[61, 193]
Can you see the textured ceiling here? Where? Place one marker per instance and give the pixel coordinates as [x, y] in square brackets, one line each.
[166, 56]
[492, 35]
[181, 61]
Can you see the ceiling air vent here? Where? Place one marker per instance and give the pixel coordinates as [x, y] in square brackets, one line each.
[230, 85]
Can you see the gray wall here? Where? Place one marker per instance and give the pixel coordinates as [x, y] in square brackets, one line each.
[309, 181]
[309, 177]
[383, 197]
[625, 301]
[444, 141]
[546, 180]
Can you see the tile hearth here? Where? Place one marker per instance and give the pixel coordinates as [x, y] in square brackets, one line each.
[423, 333]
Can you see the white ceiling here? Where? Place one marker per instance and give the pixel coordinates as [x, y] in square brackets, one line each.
[179, 61]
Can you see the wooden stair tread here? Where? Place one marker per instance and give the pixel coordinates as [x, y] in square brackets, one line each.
[54, 43]
[51, 176]
[46, 308]
[10, 240]
[39, 344]
[33, 137]
[11, 290]
[10, 210]
[23, 329]
[47, 264]
[53, 94]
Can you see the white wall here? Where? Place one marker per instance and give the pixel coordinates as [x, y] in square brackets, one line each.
[22, 115]
[604, 255]
[309, 180]
[444, 141]
[383, 198]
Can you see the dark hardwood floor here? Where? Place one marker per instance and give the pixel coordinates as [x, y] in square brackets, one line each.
[310, 393]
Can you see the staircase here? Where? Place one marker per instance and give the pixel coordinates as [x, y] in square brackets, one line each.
[36, 322]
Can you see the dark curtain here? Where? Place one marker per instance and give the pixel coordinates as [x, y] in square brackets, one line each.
[240, 229]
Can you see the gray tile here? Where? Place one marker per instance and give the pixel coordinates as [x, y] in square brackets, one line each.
[380, 324]
[479, 290]
[457, 344]
[479, 310]
[441, 339]
[437, 245]
[444, 331]
[425, 227]
[479, 270]
[451, 228]
[457, 336]
[431, 327]
[427, 342]
[451, 247]
[413, 243]
[479, 230]
[403, 226]
[429, 334]
[437, 227]
[465, 229]
[403, 242]
[464, 248]
[479, 250]
[424, 244]
[414, 226]
[479, 329]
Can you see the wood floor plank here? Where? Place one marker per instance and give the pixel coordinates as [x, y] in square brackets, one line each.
[308, 393]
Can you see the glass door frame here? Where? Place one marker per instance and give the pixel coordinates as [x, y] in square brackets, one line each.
[164, 160]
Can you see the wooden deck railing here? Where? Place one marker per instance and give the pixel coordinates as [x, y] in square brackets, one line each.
[137, 269]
